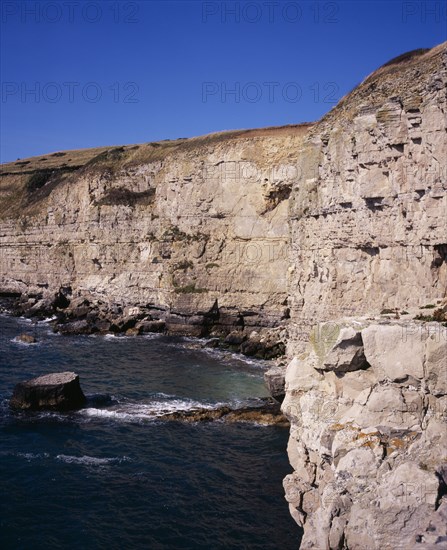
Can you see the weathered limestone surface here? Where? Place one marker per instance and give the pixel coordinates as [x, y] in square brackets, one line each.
[193, 232]
[274, 235]
[368, 214]
[368, 446]
[365, 393]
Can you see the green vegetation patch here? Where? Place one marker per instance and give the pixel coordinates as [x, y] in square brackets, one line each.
[439, 315]
[111, 154]
[183, 266]
[174, 233]
[38, 180]
[41, 183]
[110, 161]
[120, 196]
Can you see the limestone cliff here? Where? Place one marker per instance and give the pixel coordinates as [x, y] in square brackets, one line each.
[368, 214]
[366, 386]
[332, 235]
[193, 232]
[367, 406]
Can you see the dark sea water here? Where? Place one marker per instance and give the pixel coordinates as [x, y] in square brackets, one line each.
[115, 476]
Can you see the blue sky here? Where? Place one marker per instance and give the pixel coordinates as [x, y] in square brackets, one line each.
[82, 74]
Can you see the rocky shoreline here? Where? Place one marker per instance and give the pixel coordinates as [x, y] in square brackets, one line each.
[80, 316]
[267, 414]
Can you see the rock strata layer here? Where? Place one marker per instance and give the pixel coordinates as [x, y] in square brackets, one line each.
[187, 236]
[368, 214]
[56, 391]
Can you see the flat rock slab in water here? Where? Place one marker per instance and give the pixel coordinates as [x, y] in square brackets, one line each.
[56, 391]
[267, 414]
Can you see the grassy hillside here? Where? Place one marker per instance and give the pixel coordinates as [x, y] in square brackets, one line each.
[26, 182]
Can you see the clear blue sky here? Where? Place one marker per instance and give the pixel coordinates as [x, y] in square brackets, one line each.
[82, 74]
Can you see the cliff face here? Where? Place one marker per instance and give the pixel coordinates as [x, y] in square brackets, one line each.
[335, 224]
[367, 404]
[192, 231]
[366, 393]
[369, 212]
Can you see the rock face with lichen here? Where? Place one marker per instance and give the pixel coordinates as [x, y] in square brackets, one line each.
[368, 215]
[368, 436]
[366, 387]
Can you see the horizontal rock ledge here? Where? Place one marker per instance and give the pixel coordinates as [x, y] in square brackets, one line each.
[267, 414]
[56, 391]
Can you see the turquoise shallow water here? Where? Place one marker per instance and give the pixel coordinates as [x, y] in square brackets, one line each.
[115, 476]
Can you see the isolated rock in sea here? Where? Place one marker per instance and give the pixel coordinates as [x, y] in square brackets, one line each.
[26, 338]
[55, 391]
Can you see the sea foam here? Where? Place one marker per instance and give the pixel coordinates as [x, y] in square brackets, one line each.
[92, 460]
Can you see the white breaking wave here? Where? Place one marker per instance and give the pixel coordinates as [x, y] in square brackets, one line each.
[47, 320]
[164, 395]
[151, 335]
[110, 336]
[92, 460]
[86, 460]
[16, 340]
[138, 412]
[226, 354]
[32, 456]
[116, 337]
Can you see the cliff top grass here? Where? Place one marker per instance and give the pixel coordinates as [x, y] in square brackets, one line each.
[79, 158]
[389, 82]
[26, 182]
[383, 83]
